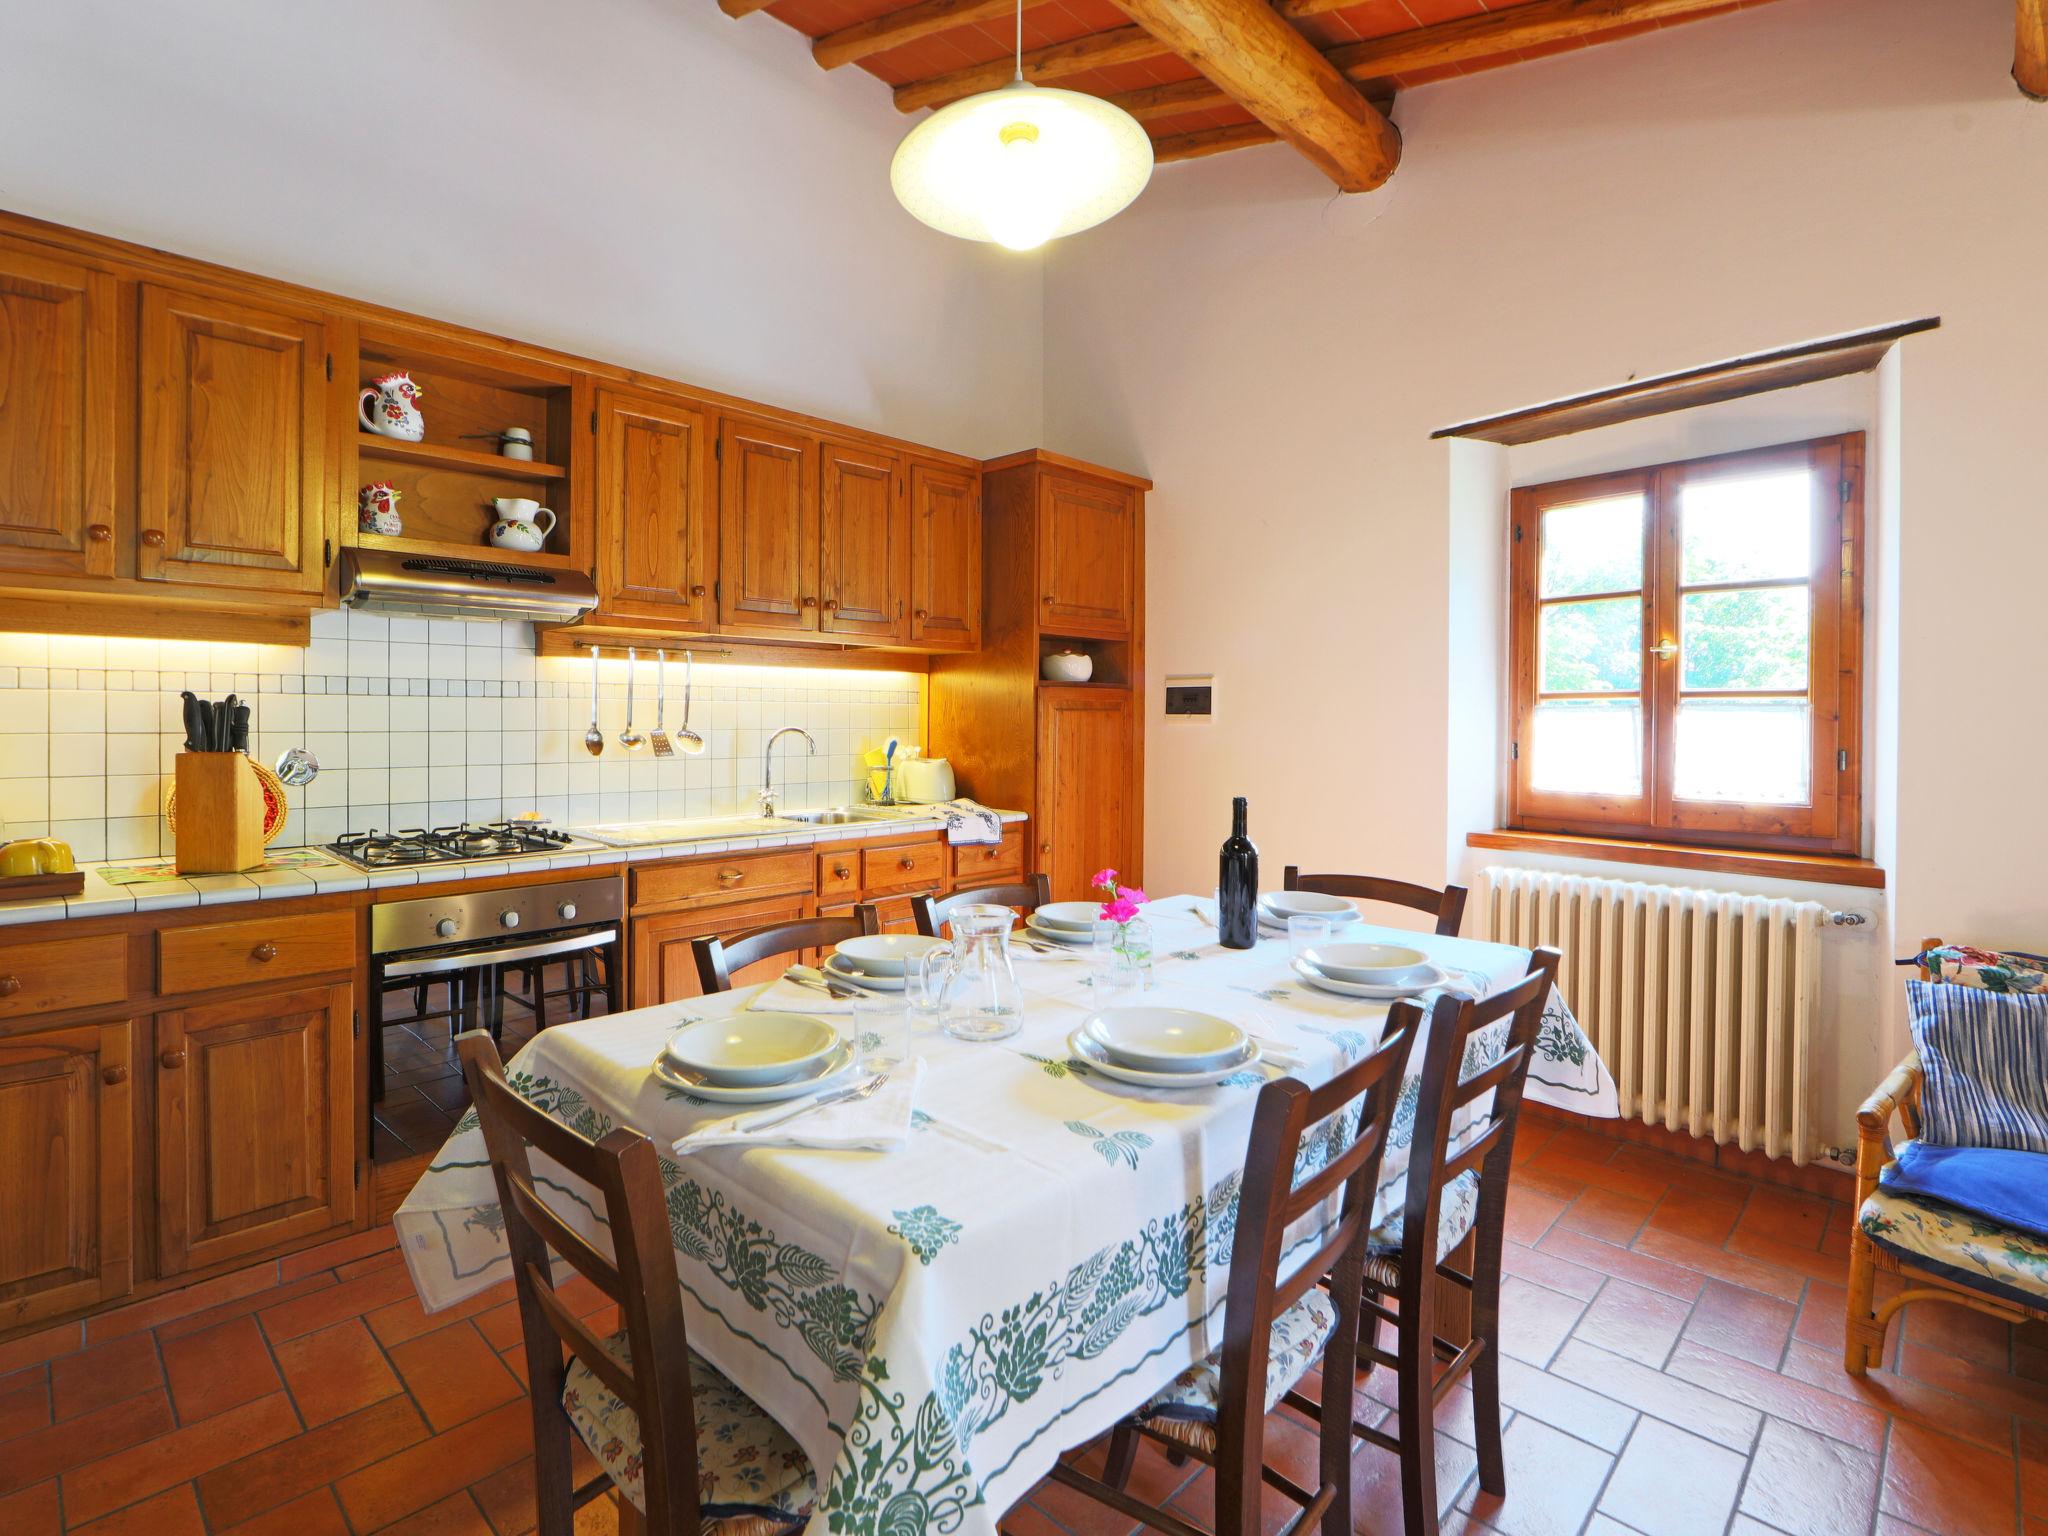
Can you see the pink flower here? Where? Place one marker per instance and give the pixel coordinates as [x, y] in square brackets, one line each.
[1106, 878]
[1135, 896]
[1121, 910]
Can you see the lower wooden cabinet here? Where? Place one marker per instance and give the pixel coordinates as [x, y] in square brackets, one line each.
[66, 1126]
[1082, 818]
[254, 1123]
[664, 968]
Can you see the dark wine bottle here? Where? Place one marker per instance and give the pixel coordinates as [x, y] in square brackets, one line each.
[1237, 885]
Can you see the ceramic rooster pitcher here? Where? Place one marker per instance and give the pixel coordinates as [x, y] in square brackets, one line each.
[390, 407]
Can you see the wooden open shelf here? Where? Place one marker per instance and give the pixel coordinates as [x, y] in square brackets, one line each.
[444, 456]
[404, 544]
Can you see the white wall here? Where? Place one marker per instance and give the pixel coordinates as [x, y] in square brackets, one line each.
[642, 181]
[1276, 360]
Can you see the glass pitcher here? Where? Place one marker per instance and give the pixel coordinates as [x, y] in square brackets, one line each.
[973, 978]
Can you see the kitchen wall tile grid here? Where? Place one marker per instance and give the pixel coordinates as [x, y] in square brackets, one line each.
[416, 722]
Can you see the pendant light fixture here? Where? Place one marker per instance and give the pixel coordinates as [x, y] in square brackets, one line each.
[1021, 165]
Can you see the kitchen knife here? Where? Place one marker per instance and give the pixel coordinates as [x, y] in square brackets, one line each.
[216, 727]
[192, 731]
[238, 730]
[227, 721]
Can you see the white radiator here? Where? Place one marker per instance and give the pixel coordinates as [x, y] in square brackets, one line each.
[1702, 1003]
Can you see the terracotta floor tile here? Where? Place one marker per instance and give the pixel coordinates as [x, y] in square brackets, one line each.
[34, 1511]
[44, 1453]
[193, 1298]
[1552, 1483]
[1626, 1264]
[1530, 1212]
[1576, 1140]
[314, 1514]
[253, 1485]
[404, 1318]
[174, 1512]
[1550, 1272]
[1665, 1397]
[1376, 1488]
[220, 1368]
[1534, 1321]
[2033, 1443]
[356, 1268]
[453, 1374]
[1751, 1274]
[506, 1498]
[1603, 1214]
[1810, 1485]
[456, 1515]
[114, 1481]
[1823, 1315]
[1906, 1400]
[1705, 1216]
[1629, 1321]
[1957, 1331]
[335, 1371]
[106, 1373]
[1947, 1486]
[1670, 1483]
[427, 1472]
[1786, 1216]
[241, 1306]
[333, 1303]
[1810, 1263]
[36, 1348]
[1741, 1323]
[1563, 1405]
[500, 1325]
[1620, 1181]
[24, 1408]
[1780, 1396]
[1560, 1187]
[1994, 1388]
[357, 1245]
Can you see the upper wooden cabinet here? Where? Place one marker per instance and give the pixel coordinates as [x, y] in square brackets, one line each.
[657, 510]
[57, 421]
[232, 445]
[863, 544]
[945, 556]
[767, 528]
[1087, 548]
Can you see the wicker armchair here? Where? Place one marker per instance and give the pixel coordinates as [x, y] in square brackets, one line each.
[1868, 1320]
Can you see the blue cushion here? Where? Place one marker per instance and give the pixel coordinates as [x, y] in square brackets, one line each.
[2011, 1188]
[1985, 1059]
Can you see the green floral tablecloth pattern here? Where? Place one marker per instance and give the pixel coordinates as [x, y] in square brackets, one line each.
[934, 1325]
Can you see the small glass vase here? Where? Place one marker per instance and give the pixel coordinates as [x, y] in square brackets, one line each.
[1131, 950]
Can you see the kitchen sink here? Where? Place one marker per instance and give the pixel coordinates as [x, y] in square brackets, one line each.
[838, 816]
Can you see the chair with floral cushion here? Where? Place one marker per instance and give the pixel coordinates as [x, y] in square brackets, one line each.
[688, 1453]
[1943, 1250]
[1311, 1149]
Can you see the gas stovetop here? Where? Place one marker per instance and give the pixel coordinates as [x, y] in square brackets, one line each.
[447, 845]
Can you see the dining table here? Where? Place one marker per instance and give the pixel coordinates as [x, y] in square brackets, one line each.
[1044, 1250]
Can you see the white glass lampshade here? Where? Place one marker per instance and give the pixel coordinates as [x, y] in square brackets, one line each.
[1022, 165]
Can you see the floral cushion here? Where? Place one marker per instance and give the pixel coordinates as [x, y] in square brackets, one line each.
[1455, 1214]
[751, 1478]
[1995, 970]
[1959, 1246]
[1186, 1410]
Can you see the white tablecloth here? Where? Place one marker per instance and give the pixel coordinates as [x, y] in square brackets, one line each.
[935, 1324]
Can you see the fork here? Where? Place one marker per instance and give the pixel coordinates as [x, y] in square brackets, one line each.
[843, 1096]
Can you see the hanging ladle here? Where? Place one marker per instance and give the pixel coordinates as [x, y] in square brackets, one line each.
[593, 739]
[629, 738]
[688, 741]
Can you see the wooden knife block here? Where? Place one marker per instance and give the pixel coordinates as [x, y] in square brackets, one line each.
[220, 814]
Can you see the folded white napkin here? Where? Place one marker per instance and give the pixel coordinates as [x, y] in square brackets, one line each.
[877, 1123]
[785, 996]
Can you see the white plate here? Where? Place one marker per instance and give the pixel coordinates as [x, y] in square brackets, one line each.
[1076, 916]
[1175, 1040]
[1316, 978]
[1281, 905]
[838, 968]
[835, 1066]
[1090, 1051]
[1071, 936]
[750, 1050]
[1369, 965]
[884, 954]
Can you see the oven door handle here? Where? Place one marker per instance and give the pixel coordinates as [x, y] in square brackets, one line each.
[476, 959]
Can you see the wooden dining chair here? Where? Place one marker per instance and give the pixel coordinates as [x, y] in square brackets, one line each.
[718, 958]
[1448, 904]
[1275, 1330]
[1450, 1192]
[930, 916]
[684, 1448]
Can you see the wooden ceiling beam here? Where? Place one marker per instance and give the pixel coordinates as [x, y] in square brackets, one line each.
[1198, 93]
[2030, 50]
[1210, 141]
[1055, 61]
[893, 29]
[1280, 78]
[738, 8]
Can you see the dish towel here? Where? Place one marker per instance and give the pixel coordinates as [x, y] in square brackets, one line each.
[969, 822]
[877, 1123]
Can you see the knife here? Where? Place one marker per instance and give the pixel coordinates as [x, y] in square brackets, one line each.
[227, 721]
[192, 727]
[238, 728]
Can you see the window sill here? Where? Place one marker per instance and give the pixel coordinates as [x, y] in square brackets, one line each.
[1816, 868]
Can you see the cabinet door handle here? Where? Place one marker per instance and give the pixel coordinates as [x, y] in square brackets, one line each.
[1047, 598]
[266, 952]
[831, 604]
[841, 872]
[9, 985]
[906, 862]
[728, 876]
[99, 533]
[697, 590]
[171, 1060]
[920, 615]
[154, 538]
[1045, 847]
[112, 1075]
[808, 602]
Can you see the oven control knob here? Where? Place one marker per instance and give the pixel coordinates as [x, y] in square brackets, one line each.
[566, 911]
[509, 918]
[446, 927]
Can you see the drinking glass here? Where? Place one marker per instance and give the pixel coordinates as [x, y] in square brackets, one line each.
[881, 1032]
[1304, 933]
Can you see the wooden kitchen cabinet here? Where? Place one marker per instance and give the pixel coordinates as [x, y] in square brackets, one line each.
[657, 510]
[1084, 768]
[66, 1128]
[254, 1123]
[1087, 547]
[233, 450]
[767, 528]
[945, 557]
[863, 544]
[57, 415]
[664, 966]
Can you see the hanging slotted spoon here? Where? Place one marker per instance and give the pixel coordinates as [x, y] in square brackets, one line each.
[688, 742]
[629, 738]
[658, 738]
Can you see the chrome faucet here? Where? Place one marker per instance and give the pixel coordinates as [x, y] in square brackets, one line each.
[768, 764]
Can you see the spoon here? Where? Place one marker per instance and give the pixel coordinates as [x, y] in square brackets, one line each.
[687, 740]
[629, 738]
[593, 739]
[659, 739]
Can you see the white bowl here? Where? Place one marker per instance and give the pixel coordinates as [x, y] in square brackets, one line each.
[1167, 1039]
[1286, 904]
[1080, 916]
[885, 954]
[1369, 965]
[753, 1048]
[1066, 666]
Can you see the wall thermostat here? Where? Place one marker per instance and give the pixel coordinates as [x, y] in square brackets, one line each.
[1190, 695]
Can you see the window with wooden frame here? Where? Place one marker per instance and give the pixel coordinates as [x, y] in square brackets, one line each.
[1687, 648]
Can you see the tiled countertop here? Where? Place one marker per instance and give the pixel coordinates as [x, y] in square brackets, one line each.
[99, 899]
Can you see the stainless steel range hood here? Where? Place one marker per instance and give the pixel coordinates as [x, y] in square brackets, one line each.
[378, 581]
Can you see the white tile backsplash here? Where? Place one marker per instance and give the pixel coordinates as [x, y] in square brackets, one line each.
[415, 721]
